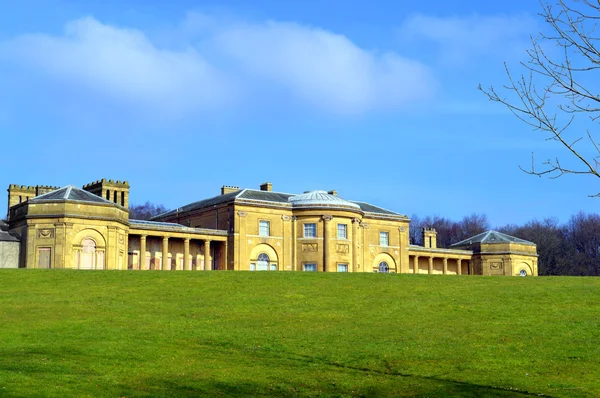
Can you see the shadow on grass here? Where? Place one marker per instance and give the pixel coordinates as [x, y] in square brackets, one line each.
[377, 388]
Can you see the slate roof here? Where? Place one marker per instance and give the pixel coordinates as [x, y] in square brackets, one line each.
[175, 226]
[368, 208]
[6, 236]
[3, 226]
[72, 193]
[216, 200]
[492, 237]
[264, 196]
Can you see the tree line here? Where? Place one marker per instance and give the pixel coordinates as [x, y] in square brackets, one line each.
[570, 248]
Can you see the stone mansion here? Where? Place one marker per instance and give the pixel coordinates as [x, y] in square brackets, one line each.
[238, 229]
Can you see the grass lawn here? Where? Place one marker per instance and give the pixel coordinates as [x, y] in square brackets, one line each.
[124, 334]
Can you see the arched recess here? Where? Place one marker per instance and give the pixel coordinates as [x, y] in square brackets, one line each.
[523, 266]
[384, 258]
[263, 251]
[89, 248]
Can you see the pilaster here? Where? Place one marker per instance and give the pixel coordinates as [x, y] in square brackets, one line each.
[326, 238]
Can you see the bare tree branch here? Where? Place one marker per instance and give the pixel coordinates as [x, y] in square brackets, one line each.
[558, 86]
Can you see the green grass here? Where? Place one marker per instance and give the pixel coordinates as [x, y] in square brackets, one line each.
[126, 334]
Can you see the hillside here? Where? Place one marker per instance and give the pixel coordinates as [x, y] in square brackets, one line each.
[125, 334]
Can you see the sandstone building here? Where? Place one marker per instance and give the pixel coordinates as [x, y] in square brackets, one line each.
[239, 229]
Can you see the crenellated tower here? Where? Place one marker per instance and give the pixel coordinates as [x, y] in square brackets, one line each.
[21, 193]
[115, 191]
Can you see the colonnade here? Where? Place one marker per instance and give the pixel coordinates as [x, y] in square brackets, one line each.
[431, 256]
[206, 244]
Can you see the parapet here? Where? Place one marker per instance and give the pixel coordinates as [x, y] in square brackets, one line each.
[105, 182]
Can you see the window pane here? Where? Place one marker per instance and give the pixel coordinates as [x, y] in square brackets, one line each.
[342, 231]
[252, 267]
[263, 262]
[310, 230]
[310, 267]
[342, 267]
[264, 228]
[383, 267]
[273, 267]
[383, 239]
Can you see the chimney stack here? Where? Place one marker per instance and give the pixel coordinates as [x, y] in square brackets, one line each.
[228, 189]
[429, 238]
[267, 186]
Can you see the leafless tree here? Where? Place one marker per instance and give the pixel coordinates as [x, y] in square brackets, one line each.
[145, 211]
[557, 93]
[448, 231]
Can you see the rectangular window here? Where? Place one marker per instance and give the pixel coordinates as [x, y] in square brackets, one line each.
[384, 239]
[252, 267]
[44, 257]
[310, 267]
[342, 267]
[310, 230]
[342, 231]
[264, 228]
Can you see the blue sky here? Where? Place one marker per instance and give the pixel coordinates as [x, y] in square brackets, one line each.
[377, 100]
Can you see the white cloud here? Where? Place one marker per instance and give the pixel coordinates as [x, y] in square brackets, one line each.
[326, 69]
[123, 65]
[462, 39]
[220, 63]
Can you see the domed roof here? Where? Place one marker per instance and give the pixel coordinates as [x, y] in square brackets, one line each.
[320, 199]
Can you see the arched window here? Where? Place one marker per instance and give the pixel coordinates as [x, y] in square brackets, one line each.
[523, 272]
[263, 262]
[383, 267]
[88, 254]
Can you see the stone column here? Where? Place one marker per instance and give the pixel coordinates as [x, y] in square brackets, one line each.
[186, 254]
[294, 244]
[458, 267]
[430, 265]
[355, 223]
[143, 252]
[415, 264]
[207, 260]
[326, 220]
[165, 253]
[445, 265]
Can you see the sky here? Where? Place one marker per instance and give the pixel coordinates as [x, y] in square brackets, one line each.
[377, 100]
